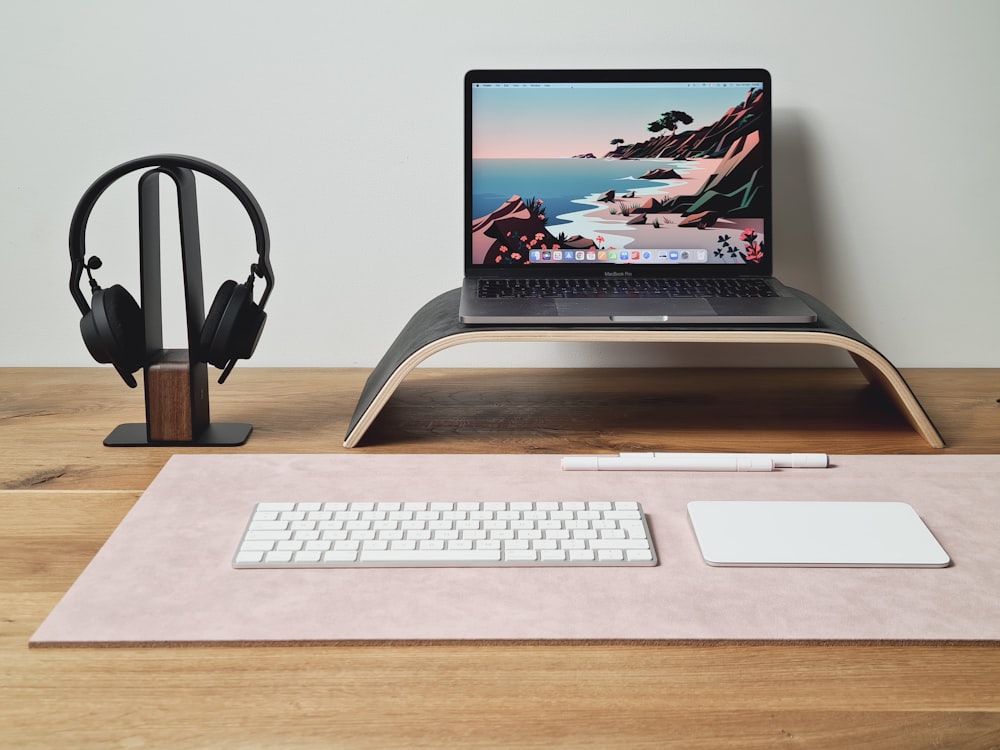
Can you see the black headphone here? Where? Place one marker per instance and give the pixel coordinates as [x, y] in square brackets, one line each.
[113, 327]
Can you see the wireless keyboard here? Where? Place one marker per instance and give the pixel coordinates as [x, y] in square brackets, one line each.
[444, 534]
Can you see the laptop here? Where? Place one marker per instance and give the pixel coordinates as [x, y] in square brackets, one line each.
[620, 197]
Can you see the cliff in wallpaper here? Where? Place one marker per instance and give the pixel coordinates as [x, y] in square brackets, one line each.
[735, 189]
[710, 142]
[507, 236]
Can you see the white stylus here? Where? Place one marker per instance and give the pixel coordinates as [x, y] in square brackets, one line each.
[780, 460]
[667, 463]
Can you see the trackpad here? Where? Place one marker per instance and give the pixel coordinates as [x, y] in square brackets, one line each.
[813, 534]
[636, 308]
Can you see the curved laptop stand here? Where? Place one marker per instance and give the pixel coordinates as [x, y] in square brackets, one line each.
[435, 327]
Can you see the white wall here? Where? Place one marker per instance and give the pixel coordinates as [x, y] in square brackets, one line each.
[345, 120]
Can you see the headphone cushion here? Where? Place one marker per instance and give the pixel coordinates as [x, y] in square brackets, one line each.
[232, 326]
[115, 331]
[207, 348]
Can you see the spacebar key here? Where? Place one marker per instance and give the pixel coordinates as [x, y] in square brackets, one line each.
[405, 556]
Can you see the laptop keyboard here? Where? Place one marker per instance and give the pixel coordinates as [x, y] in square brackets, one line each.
[624, 288]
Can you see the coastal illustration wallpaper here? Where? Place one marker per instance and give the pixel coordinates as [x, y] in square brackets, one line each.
[618, 173]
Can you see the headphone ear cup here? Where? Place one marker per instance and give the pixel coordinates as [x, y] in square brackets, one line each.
[208, 350]
[232, 327]
[115, 332]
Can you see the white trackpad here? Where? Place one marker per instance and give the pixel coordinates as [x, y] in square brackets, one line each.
[813, 534]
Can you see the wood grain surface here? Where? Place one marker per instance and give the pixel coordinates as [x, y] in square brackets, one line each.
[63, 493]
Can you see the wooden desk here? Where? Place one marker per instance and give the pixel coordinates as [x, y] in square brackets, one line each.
[63, 493]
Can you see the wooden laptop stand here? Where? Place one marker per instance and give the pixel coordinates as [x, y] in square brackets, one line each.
[435, 327]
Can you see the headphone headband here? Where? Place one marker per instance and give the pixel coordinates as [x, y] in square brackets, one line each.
[165, 162]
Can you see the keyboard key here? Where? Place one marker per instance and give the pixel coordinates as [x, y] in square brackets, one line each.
[428, 556]
[275, 506]
[619, 544]
[340, 556]
[520, 555]
[639, 554]
[270, 535]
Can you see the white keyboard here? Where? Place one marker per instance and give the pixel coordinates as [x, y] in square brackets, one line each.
[444, 534]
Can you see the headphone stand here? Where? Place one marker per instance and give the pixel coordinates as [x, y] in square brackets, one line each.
[176, 388]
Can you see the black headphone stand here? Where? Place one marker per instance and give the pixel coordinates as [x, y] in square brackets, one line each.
[175, 384]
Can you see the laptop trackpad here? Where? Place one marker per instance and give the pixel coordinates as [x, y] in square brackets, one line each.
[637, 310]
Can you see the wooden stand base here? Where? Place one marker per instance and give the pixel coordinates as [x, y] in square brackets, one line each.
[435, 327]
[177, 411]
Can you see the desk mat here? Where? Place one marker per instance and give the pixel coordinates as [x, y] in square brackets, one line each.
[162, 580]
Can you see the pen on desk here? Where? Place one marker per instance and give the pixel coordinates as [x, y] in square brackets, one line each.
[708, 462]
[780, 460]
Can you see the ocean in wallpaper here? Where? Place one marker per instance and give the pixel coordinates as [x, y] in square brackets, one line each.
[565, 185]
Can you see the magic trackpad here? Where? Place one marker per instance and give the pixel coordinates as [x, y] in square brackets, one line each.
[636, 308]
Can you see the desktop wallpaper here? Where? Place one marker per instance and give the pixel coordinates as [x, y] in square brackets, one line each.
[601, 173]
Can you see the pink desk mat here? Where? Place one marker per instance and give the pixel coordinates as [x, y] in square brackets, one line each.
[164, 575]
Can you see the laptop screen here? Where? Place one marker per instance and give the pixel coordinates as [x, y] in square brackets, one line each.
[660, 171]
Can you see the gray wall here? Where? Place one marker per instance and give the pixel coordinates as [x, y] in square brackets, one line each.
[345, 120]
